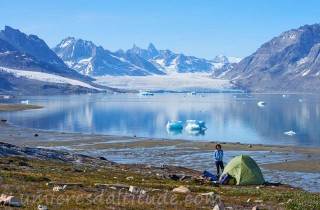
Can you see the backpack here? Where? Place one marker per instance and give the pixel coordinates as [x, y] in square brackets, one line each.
[224, 179]
[210, 175]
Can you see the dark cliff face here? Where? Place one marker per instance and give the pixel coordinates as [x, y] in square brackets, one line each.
[289, 62]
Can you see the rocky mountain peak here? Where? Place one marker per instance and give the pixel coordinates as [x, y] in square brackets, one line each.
[289, 62]
[221, 59]
[153, 50]
[30, 44]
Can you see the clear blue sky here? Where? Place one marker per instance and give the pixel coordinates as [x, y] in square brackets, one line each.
[204, 28]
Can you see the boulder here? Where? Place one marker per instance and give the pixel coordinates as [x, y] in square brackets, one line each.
[59, 188]
[181, 189]
[209, 193]
[102, 158]
[42, 207]
[217, 207]
[137, 190]
[9, 200]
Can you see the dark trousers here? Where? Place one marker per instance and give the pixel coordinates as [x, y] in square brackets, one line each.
[219, 164]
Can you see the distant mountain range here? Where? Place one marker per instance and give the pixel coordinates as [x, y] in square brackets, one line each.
[89, 59]
[287, 63]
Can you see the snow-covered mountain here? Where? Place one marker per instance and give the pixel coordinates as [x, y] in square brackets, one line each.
[289, 62]
[27, 64]
[22, 51]
[89, 59]
[170, 62]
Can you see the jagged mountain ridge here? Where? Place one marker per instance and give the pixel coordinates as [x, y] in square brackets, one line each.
[170, 62]
[289, 62]
[89, 59]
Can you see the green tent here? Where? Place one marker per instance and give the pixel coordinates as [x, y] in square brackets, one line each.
[245, 170]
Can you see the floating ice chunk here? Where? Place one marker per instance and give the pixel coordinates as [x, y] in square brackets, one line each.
[25, 102]
[261, 103]
[174, 131]
[194, 125]
[285, 96]
[300, 100]
[145, 93]
[290, 133]
[195, 132]
[174, 124]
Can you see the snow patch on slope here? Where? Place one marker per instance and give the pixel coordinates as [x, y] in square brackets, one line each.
[46, 77]
[234, 59]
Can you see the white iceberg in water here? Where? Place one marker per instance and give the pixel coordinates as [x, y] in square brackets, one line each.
[174, 131]
[25, 102]
[195, 132]
[290, 133]
[145, 93]
[194, 125]
[174, 124]
[261, 103]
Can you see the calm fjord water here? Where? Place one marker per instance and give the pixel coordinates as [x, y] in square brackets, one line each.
[228, 117]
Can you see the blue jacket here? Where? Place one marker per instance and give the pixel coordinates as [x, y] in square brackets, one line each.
[218, 155]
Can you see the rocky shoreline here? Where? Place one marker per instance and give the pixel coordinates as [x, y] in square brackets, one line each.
[67, 157]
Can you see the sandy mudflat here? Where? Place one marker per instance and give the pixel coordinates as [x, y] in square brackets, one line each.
[17, 107]
[308, 166]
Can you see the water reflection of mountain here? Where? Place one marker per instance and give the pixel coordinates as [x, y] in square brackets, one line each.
[227, 118]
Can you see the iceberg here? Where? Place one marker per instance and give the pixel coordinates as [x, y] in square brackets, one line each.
[192, 93]
[196, 133]
[174, 125]
[25, 102]
[145, 93]
[261, 103]
[194, 125]
[290, 133]
[174, 131]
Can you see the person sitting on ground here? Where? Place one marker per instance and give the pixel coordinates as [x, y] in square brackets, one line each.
[218, 155]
